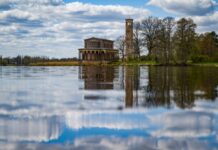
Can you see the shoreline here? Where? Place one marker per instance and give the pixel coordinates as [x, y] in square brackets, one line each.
[133, 63]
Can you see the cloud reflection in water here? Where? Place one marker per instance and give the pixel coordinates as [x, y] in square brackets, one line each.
[47, 108]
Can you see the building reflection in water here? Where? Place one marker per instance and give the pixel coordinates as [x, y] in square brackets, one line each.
[131, 86]
[97, 78]
[109, 78]
[164, 86]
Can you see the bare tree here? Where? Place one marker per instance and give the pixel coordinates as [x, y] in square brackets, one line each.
[169, 24]
[164, 40]
[150, 27]
[137, 38]
[120, 45]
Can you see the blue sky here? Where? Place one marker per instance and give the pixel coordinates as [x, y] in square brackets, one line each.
[56, 28]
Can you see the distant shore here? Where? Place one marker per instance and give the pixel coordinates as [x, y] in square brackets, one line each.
[118, 63]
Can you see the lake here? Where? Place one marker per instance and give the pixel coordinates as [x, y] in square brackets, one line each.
[109, 108]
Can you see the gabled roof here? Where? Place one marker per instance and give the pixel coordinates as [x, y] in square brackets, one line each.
[94, 38]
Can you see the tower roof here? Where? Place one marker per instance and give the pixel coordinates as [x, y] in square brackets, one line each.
[129, 19]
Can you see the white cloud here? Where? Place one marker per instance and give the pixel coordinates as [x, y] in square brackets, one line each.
[19, 14]
[30, 2]
[201, 11]
[193, 124]
[187, 7]
[111, 143]
[32, 130]
[206, 23]
[207, 20]
[107, 119]
[57, 29]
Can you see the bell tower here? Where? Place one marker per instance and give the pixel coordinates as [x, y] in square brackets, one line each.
[129, 47]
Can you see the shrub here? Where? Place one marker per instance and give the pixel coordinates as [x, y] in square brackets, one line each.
[199, 58]
[146, 58]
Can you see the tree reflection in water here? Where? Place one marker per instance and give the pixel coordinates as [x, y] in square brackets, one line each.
[165, 86]
[180, 85]
[45, 107]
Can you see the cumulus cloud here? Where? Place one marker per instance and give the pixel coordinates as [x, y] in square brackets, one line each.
[57, 29]
[190, 7]
[31, 130]
[125, 120]
[203, 12]
[111, 143]
[207, 23]
[13, 3]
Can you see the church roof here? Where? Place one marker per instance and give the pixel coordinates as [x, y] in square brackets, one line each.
[94, 38]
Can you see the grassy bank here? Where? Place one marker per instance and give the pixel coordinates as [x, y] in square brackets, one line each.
[117, 63]
[77, 63]
[212, 64]
[153, 63]
[67, 63]
[133, 63]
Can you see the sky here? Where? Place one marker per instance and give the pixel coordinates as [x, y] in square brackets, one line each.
[57, 28]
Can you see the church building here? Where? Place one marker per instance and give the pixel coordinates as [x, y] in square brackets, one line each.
[97, 49]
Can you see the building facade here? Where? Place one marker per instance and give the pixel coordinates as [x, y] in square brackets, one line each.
[96, 49]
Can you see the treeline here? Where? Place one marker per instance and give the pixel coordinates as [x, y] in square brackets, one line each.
[28, 60]
[172, 42]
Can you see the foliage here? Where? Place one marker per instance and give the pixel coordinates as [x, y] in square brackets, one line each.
[199, 58]
[170, 42]
[166, 41]
[184, 39]
[27, 60]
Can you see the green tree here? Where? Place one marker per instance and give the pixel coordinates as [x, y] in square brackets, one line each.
[208, 44]
[0, 60]
[26, 60]
[164, 39]
[184, 39]
[18, 60]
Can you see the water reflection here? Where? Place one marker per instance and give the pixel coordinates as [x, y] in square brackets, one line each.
[180, 85]
[131, 86]
[102, 78]
[108, 107]
[164, 86]
[96, 78]
[29, 130]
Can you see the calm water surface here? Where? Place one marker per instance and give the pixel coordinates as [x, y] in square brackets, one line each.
[109, 108]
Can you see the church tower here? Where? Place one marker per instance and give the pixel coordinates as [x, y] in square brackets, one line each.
[129, 47]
